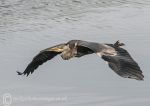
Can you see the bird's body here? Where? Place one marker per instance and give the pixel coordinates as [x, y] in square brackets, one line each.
[119, 60]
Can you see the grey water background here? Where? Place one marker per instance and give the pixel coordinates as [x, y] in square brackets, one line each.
[28, 26]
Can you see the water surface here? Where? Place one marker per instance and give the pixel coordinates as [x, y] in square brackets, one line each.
[26, 27]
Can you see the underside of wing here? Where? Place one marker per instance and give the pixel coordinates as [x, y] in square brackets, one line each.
[95, 47]
[81, 51]
[41, 58]
[124, 65]
[85, 48]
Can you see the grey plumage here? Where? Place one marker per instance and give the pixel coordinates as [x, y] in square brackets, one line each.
[124, 65]
[119, 60]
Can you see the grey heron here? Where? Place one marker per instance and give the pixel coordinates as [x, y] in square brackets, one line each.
[118, 59]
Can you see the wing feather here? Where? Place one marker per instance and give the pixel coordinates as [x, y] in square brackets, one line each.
[124, 65]
[85, 48]
[41, 58]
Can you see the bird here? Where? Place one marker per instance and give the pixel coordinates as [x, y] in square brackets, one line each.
[118, 58]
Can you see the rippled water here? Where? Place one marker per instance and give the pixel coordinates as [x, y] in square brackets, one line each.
[27, 26]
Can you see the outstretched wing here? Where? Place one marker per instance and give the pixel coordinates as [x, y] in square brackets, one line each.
[124, 65]
[41, 58]
[85, 48]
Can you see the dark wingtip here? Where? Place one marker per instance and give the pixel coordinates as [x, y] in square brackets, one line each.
[136, 78]
[141, 78]
[27, 74]
[19, 73]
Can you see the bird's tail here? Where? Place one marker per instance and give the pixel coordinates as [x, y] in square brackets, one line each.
[19, 73]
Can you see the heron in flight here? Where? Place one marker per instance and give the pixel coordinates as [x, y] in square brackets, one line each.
[118, 59]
